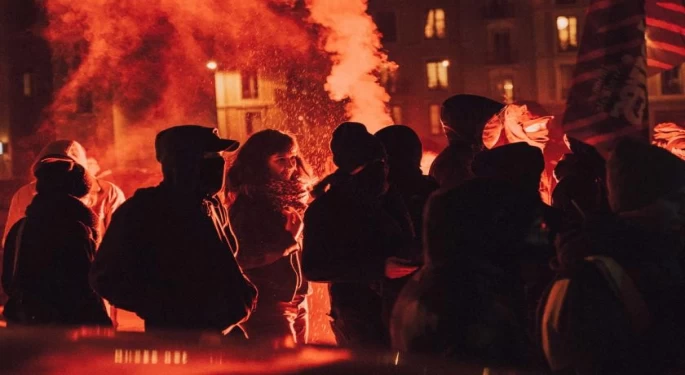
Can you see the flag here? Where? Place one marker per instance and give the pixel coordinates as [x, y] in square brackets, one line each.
[665, 34]
[608, 96]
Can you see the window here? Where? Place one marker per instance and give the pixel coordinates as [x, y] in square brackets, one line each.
[249, 84]
[396, 114]
[436, 125]
[505, 90]
[253, 122]
[388, 77]
[565, 80]
[567, 33]
[437, 74]
[28, 84]
[502, 46]
[387, 26]
[671, 82]
[435, 24]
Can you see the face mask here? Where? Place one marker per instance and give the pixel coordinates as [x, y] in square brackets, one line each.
[211, 174]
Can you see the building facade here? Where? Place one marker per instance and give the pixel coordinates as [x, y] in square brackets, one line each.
[507, 50]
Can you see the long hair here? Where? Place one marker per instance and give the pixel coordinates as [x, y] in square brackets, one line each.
[250, 166]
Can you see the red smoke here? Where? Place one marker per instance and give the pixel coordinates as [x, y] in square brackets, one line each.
[353, 41]
[145, 65]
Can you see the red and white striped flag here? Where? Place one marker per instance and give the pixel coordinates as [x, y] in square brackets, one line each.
[608, 96]
[665, 34]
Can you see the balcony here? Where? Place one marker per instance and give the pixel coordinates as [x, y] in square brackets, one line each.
[498, 11]
[502, 57]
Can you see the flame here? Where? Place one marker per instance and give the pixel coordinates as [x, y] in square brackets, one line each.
[354, 43]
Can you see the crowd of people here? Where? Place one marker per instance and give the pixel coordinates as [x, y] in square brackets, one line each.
[522, 247]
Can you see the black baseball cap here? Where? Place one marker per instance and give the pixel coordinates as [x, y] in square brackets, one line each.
[190, 139]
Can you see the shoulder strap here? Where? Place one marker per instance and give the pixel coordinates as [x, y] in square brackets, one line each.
[17, 247]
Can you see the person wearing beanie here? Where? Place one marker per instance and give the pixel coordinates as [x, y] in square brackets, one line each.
[618, 307]
[463, 118]
[48, 253]
[354, 233]
[103, 198]
[169, 254]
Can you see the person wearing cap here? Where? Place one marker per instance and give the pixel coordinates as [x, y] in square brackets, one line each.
[463, 118]
[50, 250]
[619, 307]
[169, 253]
[104, 197]
[356, 234]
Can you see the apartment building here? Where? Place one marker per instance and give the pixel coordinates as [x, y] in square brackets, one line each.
[504, 49]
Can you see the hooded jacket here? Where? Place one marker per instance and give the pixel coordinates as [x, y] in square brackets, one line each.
[464, 117]
[56, 248]
[104, 197]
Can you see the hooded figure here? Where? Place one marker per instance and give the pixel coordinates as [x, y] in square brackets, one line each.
[463, 118]
[351, 231]
[169, 254]
[103, 198]
[49, 252]
[467, 302]
[619, 307]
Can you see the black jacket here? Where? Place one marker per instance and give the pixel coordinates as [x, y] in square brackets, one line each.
[348, 235]
[56, 249]
[171, 260]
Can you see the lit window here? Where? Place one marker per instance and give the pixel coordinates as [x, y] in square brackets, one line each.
[566, 79]
[28, 84]
[388, 77]
[505, 89]
[671, 81]
[435, 24]
[436, 125]
[437, 74]
[249, 84]
[253, 122]
[567, 32]
[396, 114]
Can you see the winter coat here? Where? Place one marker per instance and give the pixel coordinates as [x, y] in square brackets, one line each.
[263, 239]
[617, 305]
[348, 235]
[57, 245]
[171, 259]
[104, 198]
[261, 234]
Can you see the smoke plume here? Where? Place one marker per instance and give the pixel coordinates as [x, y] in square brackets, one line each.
[353, 42]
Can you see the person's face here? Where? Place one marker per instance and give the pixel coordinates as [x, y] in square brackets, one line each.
[283, 165]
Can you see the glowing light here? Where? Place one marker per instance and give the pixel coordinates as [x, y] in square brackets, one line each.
[212, 65]
[562, 22]
[445, 63]
[508, 85]
[397, 359]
